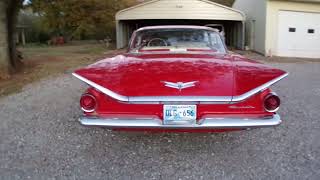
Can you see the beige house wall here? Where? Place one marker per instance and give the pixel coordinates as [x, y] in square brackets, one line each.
[255, 11]
[273, 7]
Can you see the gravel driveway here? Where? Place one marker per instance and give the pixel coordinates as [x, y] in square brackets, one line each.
[40, 138]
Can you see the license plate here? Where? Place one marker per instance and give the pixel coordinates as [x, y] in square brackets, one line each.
[179, 114]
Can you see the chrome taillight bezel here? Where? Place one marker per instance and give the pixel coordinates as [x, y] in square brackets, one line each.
[268, 96]
[89, 110]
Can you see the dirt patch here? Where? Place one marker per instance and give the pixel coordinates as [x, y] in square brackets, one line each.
[41, 62]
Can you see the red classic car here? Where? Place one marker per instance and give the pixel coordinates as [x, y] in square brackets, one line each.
[179, 78]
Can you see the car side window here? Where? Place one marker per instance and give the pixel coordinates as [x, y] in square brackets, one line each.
[215, 41]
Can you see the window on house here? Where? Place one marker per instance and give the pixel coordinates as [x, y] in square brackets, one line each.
[292, 29]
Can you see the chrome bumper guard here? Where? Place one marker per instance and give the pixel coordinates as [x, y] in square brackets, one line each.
[205, 123]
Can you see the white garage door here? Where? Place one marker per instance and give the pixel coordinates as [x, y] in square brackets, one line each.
[299, 34]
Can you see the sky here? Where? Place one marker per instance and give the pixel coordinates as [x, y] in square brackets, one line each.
[25, 1]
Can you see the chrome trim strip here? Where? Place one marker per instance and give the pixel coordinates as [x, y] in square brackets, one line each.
[102, 89]
[179, 99]
[206, 123]
[257, 89]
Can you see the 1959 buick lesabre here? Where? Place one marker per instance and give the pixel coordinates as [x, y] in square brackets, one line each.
[179, 78]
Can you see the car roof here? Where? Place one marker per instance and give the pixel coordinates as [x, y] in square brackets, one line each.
[176, 27]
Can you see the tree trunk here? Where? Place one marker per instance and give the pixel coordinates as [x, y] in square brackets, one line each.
[12, 18]
[9, 61]
[4, 47]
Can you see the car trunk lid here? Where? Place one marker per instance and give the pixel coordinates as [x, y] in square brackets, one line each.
[149, 74]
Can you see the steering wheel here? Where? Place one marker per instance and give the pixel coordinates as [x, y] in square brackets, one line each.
[157, 39]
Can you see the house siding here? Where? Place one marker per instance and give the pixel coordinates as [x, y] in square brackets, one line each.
[255, 11]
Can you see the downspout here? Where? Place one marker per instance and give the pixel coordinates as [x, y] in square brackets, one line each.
[243, 43]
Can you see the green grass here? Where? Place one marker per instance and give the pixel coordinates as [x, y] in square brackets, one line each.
[62, 51]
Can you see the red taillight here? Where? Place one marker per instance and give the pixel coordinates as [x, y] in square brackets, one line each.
[88, 103]
[272, 102]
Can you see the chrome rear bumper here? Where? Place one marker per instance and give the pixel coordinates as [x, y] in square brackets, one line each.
[205, 123]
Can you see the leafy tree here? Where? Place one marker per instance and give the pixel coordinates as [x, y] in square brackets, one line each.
[80, 19]
[85, 19]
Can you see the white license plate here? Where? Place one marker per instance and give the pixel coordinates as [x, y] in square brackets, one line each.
[179, 114]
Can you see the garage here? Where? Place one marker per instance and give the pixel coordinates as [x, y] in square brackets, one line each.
[177, 12]
[282, 28]
[299, 34]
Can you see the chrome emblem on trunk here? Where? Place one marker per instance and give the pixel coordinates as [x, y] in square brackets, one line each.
[180, 85]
